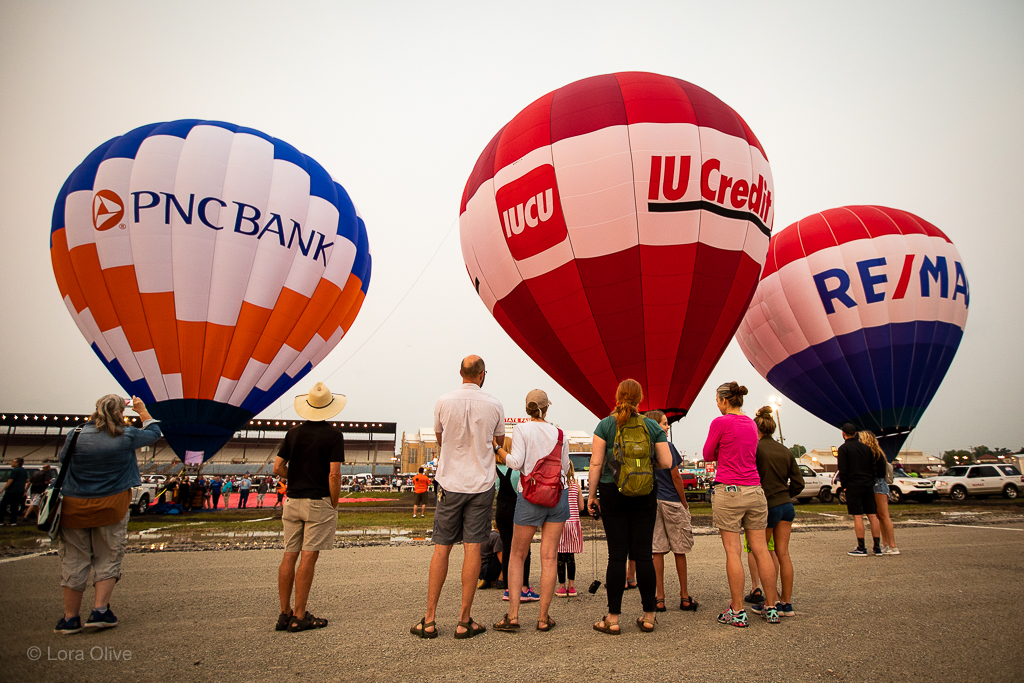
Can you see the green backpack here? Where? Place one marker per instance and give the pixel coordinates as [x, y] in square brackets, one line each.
[631, 459]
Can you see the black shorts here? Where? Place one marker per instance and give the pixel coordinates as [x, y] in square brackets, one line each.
[861, 502]
[421, 498]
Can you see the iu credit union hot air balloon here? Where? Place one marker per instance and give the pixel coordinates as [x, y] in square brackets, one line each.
[616, 228]
[857, 317]
[210, 267]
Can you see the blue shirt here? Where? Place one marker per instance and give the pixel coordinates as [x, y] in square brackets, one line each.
[663, 478]
[105, 465]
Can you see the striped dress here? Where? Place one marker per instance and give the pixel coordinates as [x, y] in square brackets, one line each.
[572, 532]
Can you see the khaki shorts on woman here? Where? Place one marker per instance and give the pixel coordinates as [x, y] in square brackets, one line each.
[737, 508]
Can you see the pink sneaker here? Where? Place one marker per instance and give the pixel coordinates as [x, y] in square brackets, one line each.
[572, 592]
[561, 592]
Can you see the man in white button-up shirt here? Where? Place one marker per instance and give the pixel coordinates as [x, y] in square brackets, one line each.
[468, 424]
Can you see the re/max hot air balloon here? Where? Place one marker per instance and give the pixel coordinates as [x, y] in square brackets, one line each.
[210, 267]
[858, 315]
[616, 228]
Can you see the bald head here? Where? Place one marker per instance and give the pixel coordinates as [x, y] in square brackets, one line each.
[472, 368]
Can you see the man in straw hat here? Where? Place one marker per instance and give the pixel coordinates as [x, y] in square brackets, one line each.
[468, 424]
[310, 459]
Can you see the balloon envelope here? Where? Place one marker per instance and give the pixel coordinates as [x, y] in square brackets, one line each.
[616, 228]
[210, 267]
[857, 317]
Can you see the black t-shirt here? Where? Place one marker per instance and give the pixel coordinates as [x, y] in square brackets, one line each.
[18, 477]
[310, 449]
[856, 465]
[40, 480]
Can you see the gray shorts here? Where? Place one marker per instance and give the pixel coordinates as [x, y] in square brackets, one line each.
[99, 549]
[464, 517]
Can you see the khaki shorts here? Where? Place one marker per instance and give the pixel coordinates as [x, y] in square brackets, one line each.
[672, 529]
[739, 509]
[99, 549]
[309, 524]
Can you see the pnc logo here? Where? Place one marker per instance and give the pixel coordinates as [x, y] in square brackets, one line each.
[531, 213]
[107, 210]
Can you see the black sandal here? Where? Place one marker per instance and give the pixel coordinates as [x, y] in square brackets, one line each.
[305, 623]
[688, 604]
[421, 631]
[546, 625]
[472, 629]
[282, 621]
[659, 606]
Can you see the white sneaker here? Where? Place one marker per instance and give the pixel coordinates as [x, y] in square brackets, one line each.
[892, 551]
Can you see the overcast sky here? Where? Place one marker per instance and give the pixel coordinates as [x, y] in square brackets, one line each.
[913, 105]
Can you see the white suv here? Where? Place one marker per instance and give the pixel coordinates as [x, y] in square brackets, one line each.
[980, 480]
[904, 487]
[816, 485]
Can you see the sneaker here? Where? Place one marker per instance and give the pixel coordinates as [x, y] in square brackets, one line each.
[529, 596]
[561, 592]
[101, 619]
[893, 551]
[755, 597]
[858, 552]
[877, 552]
[757, 609]
[730, 618]
[68, 626]
[771, 615]
[505, 596]
[785, 609]
[572, 592]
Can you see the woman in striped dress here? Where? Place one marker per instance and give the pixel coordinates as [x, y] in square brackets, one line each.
[572, 539]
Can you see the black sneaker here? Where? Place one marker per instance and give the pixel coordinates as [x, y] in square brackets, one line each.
[101, 619]
[69, 626]
[755, 597]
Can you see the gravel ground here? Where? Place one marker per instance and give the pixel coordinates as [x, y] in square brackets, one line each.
[938, 612]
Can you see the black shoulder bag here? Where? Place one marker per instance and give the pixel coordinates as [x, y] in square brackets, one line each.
[50, 502]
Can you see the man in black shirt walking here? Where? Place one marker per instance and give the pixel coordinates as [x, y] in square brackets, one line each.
[857, 475]
[310, 459]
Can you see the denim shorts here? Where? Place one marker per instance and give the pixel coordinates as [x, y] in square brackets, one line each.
[531, 514]
[781, 513]
[881, 487]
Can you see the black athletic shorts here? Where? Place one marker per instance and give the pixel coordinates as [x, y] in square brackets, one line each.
[861, 502]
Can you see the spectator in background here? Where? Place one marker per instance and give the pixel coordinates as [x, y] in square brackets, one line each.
[858, 470]
[421, 484]
[38, 483]
[261, 491]
[281, 488]
[243, 491]
[881, 491]
[185, 494]
[490, 560]
[215, 488]
[226, 490]
[310, 459]
[14, 491]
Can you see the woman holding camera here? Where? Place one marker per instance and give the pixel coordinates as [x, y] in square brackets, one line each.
[94, 513]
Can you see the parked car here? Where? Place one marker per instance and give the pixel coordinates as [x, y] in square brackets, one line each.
[143, 495]
[980, 480]
[904, 487]
[816, 485]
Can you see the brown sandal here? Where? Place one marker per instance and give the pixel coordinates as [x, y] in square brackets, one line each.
[641, 623]
[506, 625]
[472, 629]
[604, 626]
[421, 631]
[546, 625]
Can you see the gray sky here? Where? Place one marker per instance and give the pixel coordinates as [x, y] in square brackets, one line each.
[914, 105]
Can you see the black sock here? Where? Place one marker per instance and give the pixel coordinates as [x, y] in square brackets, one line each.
[877, 547]
[860, 544]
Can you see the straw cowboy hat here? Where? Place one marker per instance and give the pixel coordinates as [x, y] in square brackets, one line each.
[319, 404]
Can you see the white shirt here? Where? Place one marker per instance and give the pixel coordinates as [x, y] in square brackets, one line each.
[531, 441]
[467, 420]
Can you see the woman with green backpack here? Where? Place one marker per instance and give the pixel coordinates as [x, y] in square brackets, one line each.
[627, 449]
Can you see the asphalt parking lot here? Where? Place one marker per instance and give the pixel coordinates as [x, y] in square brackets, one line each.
[944, 610]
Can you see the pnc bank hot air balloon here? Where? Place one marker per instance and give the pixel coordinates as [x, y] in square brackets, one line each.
[858, 315]
[210, 267]
[616, 228]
